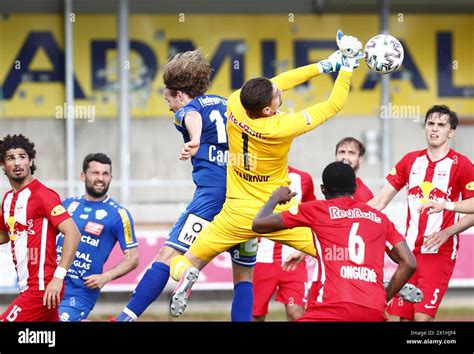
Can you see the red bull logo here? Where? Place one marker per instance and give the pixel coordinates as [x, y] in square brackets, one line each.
[427, 191]
[17, 229]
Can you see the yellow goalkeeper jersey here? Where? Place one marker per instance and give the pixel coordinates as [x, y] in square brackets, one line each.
[258, 148]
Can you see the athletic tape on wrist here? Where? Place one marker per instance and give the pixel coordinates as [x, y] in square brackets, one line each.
[449, 206]
[60, 272]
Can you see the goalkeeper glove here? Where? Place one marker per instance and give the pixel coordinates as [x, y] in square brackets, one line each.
[331, 64]
[351, 49]
[349, 64]
[346, 58]
[338, 61]
[349, 46]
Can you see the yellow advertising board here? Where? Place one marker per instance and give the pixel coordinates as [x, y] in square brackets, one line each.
[438, 66]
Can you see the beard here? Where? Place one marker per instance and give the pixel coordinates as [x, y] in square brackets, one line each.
[17, 179]
[90, 189]
[356, 168]
[14, 177]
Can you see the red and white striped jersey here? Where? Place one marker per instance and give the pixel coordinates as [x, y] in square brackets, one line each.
[448, 179]
[275, 252]
[30, 217]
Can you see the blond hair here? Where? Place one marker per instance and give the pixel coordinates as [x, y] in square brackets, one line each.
[188, 72]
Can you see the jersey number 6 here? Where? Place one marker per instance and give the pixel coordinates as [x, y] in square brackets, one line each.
[356, 245]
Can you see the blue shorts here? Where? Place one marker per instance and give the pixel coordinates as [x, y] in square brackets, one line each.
[207, 202]
[73, 310]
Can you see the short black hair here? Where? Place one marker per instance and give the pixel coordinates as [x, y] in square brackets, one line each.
[256, 94]
[97, 157]
[18, 141]
[349, 140]
[339, 178]
[442, 109]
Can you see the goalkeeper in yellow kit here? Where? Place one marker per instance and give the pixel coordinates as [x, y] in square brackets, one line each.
[259, 139]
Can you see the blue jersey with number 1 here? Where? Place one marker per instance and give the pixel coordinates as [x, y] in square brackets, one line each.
[209, 164]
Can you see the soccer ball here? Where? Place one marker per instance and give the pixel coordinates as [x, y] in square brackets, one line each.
[383, 53]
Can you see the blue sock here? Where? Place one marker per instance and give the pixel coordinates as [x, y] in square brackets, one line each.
[242, 302]
[147, 291]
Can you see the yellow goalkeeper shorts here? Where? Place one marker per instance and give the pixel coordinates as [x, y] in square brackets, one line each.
[233, 225]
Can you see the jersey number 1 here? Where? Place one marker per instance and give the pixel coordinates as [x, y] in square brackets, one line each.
[245, 139]
[220, 126]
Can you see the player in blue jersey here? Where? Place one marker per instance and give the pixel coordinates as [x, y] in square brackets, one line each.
[102, 223]
[201, 119]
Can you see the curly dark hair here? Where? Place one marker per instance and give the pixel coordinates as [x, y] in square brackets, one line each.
[18, 141]
[188, 72]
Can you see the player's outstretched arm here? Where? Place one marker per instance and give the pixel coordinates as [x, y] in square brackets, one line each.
[381, 200]
[406, 268]
[129, 262]
[314, 116]
[295, 77]
[289, 126]
[345, 60]
[265, 221]
[349, 47]
[321, 112]
[464, 206]
[4, 237]
[72, 237]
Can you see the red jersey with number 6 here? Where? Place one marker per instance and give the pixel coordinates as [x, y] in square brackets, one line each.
[350, 238]
[30, 217]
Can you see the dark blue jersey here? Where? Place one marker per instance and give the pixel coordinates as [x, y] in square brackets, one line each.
[101, 224]
[209, 164]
